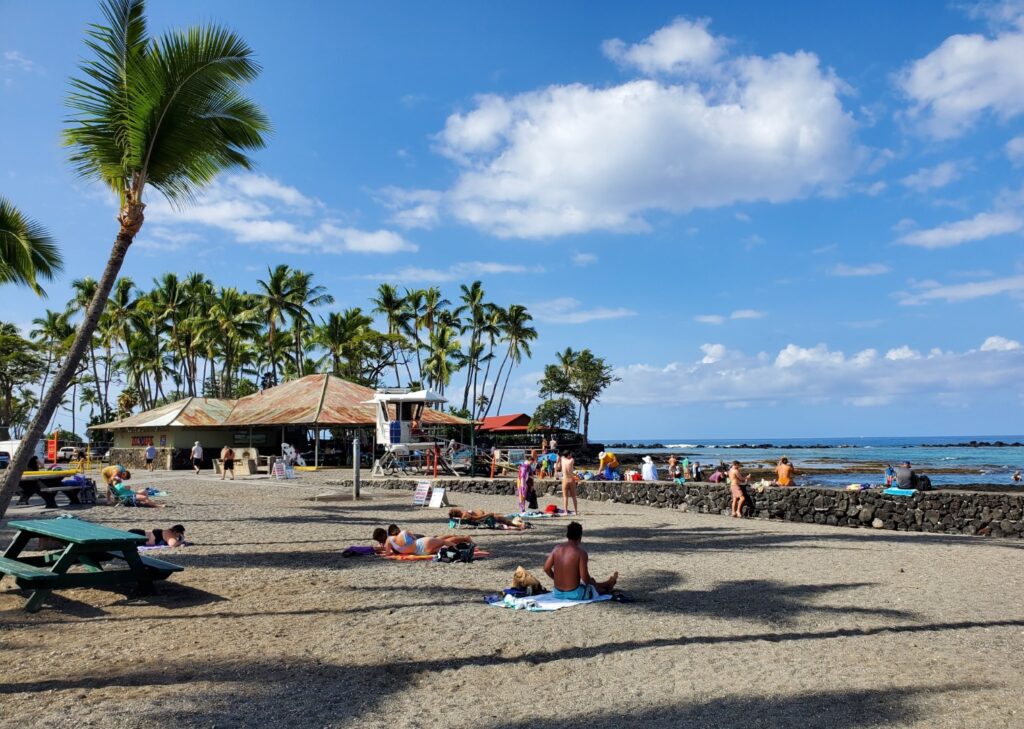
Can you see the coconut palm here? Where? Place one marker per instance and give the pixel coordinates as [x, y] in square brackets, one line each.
[445, 357]
[83, 290]
[51, 333]
[392, 306]
[233, 319]
[518, 335]
[166, 114]
[305, 296]
[278, 301]
[473, 305]
[27, 252]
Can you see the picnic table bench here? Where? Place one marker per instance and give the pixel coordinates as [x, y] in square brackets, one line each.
[48, 486]
[85, 544]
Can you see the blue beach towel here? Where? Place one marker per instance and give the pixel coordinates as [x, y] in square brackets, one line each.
[894, 491]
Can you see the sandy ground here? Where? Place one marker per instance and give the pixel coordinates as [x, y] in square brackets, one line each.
[735, 624]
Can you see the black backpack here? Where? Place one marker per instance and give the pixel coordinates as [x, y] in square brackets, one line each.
[462, 552]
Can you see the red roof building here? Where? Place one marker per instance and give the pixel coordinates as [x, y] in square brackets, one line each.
[515, 423]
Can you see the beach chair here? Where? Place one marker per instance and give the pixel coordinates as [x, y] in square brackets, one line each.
[123, 496]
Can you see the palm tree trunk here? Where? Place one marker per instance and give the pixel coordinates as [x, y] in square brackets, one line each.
[508, 375]
[494, 390]
[131, 220]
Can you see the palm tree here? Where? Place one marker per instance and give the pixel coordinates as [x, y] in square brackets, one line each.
[231, 321]
[83, 291]
[341, 335]
[52, 332]
[392, 307]
[518, 334]
[472, 298]
[304, 297]
[278, 304]
[445, 357]
[165, 113]
[27, 252]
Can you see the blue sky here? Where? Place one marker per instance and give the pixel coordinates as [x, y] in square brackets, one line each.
[787, 219]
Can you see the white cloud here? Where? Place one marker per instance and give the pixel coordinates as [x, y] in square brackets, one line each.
[720, 318]
[709, 319]
[682, 47]
[566, 310]
[456, 272]
[257, 209]
[819, 374]
[981, 226]
[931, 178]
[1015, 150]
[413, 208]
[747, 314]
[999, 344]
[742, 217]
[584, 259]
[745, 129]
[868, 269]
[17, 60]
[965, 77]
[713, 353]
[955, 293]
[903, 352]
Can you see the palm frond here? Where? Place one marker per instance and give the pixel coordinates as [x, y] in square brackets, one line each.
[27, 251]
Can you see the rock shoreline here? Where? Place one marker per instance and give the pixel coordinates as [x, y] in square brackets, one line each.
[942, 512]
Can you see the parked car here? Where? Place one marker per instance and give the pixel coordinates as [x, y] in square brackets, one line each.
[65, 454]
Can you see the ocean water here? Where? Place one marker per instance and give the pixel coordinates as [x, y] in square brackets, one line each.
[866, 456]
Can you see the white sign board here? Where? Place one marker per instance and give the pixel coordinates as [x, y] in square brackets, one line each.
[422, 495]
[438, 499]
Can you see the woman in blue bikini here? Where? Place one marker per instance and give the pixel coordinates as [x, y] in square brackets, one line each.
[405, 542]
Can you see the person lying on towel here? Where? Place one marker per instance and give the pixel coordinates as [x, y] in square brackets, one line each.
[567, 567]
[407, 543]
[479, 516]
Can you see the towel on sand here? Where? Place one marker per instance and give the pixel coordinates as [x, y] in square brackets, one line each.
[543, 603]
[148, 547]
[477, 554]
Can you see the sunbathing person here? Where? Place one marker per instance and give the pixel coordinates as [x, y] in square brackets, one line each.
[173, 537]
[124, 495]
[479, 515]
[407, 543]
[567, 567]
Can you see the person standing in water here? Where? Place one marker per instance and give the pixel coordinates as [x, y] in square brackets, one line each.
[568, 465]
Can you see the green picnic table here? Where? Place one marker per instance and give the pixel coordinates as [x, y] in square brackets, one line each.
[85, 544]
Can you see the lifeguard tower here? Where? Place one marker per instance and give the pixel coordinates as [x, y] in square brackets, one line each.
[407, 445]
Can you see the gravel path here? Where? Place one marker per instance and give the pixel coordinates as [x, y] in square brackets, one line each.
[735, 624]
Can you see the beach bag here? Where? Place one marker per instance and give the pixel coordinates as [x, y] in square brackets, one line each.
[462, 552]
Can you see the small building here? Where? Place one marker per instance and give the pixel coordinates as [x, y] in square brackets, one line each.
[263, 421]
[505, 424]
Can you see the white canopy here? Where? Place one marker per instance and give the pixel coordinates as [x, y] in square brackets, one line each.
[416, 396]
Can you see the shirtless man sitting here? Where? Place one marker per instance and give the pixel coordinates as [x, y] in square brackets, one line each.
[567, 568]
[404, 542]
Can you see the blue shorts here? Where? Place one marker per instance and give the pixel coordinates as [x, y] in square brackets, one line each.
[583, 592]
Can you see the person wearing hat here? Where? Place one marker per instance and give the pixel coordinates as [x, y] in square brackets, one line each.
[197, 457]
[607, 465]
[905, 476]
[648, 471]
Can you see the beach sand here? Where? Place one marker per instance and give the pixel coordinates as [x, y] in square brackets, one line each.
[735, 624]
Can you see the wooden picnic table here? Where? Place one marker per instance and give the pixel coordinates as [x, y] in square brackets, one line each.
[85, 544]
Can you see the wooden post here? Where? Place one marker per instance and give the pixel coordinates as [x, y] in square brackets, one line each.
[316, 448]
[355, 468]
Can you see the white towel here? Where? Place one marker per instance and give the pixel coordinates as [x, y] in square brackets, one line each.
[543, 603]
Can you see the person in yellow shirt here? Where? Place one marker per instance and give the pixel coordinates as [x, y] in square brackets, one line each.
[114, 475]
[608, 465]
